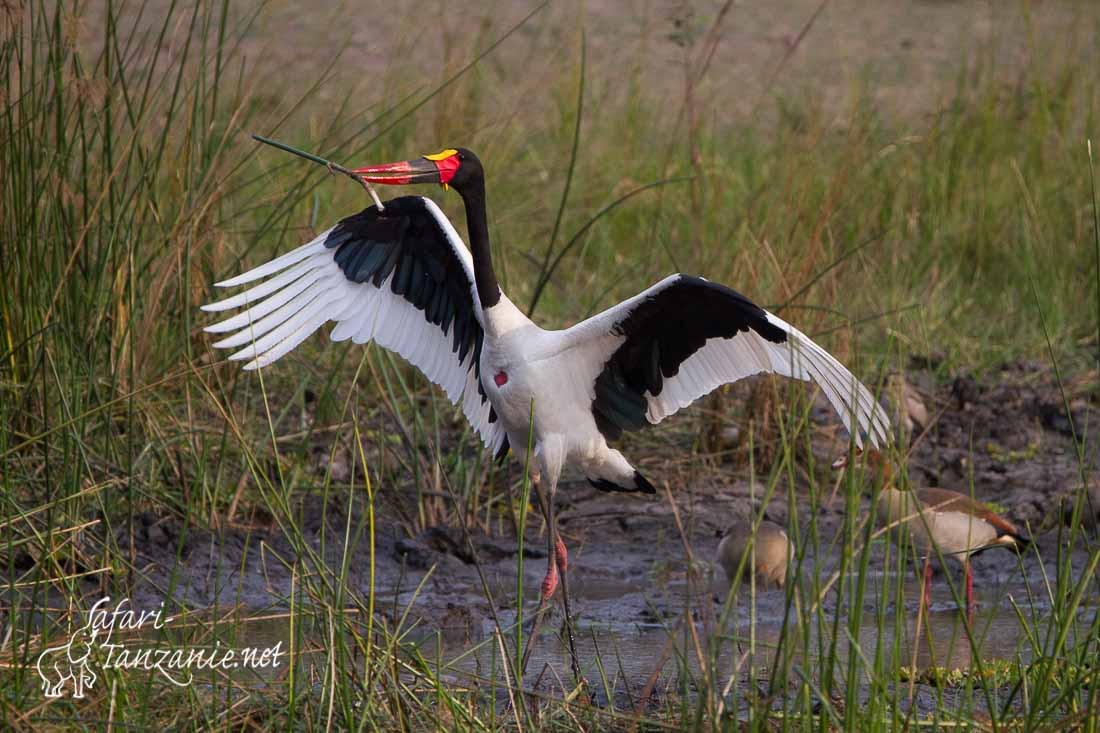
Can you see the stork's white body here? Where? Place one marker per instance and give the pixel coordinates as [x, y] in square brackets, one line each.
[554, 372]
[403, 278]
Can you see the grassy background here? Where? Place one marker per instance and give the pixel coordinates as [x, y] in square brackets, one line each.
[913, 201]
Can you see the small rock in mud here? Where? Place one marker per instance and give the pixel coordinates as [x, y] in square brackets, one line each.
[337, 463]
[927, 362]
[456, 617]
[1090, 505]
[965, 391]
[908, 410]
[425, 549]
[150, 531]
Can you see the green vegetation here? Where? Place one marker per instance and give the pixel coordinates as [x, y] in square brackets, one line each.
[130, 185]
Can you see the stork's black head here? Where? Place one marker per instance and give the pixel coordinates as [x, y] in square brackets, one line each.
[458, 168]
[469, 172]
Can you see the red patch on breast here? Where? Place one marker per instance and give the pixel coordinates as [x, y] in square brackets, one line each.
[501, 378]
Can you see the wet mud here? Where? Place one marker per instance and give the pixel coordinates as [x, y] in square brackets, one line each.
[634, 575]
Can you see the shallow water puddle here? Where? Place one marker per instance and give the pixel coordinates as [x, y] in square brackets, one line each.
[618, 654]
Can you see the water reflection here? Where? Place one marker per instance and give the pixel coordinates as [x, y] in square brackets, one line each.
[662, 644]
[623, 657]
[939, 641]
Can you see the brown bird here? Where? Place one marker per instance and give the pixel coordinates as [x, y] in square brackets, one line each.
[772, 550]
[957, 525]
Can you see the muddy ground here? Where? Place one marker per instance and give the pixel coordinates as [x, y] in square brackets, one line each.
[1007, 432]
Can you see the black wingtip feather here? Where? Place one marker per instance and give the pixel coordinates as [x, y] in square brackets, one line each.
[661, 332]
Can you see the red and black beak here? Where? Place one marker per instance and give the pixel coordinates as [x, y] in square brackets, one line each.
[439, 168]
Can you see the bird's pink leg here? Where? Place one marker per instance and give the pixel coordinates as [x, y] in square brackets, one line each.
[927, 583]
[970, 603]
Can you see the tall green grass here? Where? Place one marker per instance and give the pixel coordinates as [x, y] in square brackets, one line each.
[130, 184]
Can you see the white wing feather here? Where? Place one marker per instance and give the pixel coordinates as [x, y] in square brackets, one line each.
[723, 360]
[311, 289]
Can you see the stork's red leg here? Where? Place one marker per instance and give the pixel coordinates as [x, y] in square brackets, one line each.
[555, 568]
[549, 582]
[561, 555]
[561, 558]
[558, 561]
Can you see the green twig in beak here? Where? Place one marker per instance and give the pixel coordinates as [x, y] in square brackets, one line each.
[332, 167]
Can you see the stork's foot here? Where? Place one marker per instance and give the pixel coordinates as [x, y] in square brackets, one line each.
[529, 645]
[561, 558]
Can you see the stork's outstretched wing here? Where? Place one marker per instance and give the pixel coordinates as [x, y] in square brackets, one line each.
[402, 278]
[675, 342]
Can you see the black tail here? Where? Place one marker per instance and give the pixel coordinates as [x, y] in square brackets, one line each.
[641, 484]
[1011, 540]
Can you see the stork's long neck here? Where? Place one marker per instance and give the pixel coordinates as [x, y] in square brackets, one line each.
[485, 278]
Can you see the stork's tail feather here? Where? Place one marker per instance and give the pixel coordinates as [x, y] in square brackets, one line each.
[501, 456]
[641, 484]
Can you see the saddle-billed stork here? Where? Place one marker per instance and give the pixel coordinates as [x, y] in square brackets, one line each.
[403, 278]
[955, 524]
